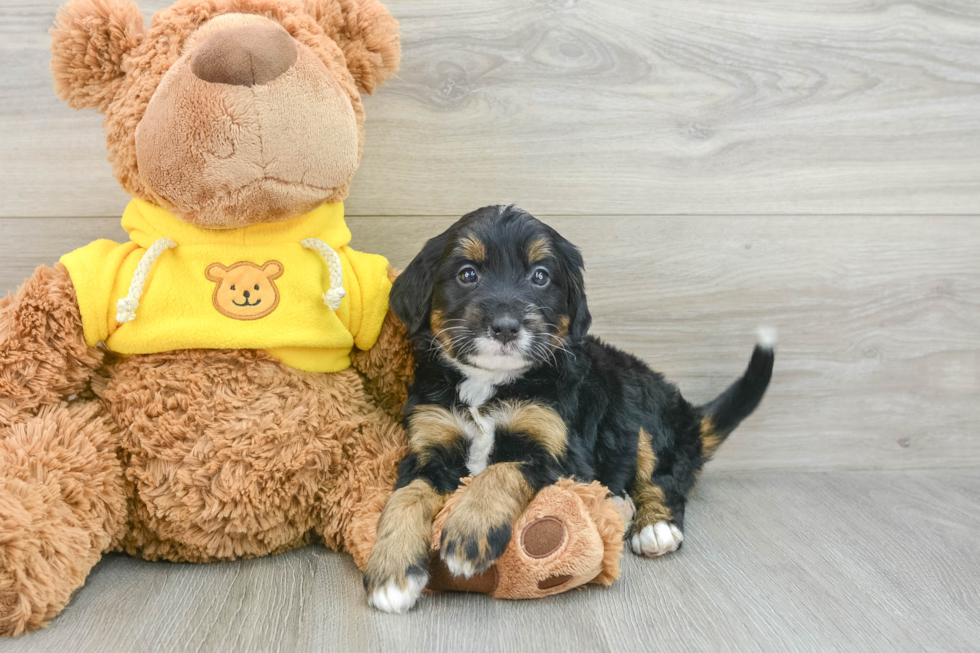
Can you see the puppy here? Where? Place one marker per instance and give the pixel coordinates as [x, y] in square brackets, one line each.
[510, 388]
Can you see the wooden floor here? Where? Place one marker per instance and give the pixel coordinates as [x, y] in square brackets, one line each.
[877, 561]
[723, 165]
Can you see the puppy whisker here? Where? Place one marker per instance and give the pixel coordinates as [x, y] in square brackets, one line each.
[562, 345]
[543, 354]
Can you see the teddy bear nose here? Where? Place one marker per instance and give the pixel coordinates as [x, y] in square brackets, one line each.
[250, 55]
[247, 294]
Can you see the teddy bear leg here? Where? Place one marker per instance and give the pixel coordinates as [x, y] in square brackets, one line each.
[571, 534]
[62, 504]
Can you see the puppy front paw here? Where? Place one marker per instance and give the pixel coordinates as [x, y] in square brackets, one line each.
[395, 592]
[396, 574]
[396, 595]
[470, 543]
[656, 539]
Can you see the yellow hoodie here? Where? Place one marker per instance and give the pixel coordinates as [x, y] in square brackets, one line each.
[265, 286]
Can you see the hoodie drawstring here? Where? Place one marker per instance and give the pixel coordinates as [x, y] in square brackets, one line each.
[126, 307]
[333, 296]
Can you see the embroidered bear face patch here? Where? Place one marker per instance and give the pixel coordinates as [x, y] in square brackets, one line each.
[245, 291]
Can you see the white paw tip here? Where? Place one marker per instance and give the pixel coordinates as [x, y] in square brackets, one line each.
[657, 539]
[767, 337]
[392, 598]
[459, 567]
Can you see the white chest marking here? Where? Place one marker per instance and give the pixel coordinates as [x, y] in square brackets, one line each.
[479, 433]
[479, 385]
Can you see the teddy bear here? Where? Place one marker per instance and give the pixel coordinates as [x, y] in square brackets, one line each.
[229, 383]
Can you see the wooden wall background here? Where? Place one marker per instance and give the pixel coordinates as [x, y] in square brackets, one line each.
[724, 165]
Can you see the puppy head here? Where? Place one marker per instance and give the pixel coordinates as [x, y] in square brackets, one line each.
[498, 290]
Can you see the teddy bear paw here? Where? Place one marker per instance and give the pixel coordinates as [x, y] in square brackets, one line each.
[571, 534]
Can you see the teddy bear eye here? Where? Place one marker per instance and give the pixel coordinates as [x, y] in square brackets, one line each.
[232, 287]
[256, 286]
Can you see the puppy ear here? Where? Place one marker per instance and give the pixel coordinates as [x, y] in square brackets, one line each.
[89, 42]
[367, 34]
[573, 269]
[411, 294]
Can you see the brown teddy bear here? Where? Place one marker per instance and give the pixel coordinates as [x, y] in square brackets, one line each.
[228, 384]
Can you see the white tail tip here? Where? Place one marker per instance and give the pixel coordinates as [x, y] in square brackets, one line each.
[767, 337]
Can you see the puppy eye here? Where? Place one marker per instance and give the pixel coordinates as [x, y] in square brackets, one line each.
[232, 287]
[540, 277]
[467, 275]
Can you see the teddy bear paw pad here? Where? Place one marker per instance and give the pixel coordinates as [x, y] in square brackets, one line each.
[543, 536]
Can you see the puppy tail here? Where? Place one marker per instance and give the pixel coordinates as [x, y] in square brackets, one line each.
[720, 417]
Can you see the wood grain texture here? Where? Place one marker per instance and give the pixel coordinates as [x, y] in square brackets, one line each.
[876, 561]
[879, 359]
[603, 107]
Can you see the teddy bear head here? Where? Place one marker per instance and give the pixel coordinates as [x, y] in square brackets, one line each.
[228, 112]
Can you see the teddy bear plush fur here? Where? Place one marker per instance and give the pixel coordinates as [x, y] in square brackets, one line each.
[225, 114]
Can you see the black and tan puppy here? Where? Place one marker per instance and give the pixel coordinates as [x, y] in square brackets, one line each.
[510, 388]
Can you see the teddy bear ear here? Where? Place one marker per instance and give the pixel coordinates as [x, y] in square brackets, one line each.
[89, 41]
[216, 272]
[272, 270]
[367, 34]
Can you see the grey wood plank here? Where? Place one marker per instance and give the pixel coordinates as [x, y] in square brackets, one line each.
[603, 106]
[875, 561]
[879, 361]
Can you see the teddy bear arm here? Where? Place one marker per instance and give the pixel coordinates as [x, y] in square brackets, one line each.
[43, 355]
[388, 367]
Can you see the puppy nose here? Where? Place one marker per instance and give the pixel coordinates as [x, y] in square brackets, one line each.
[505, 328]
[250, 55]
[247, 294]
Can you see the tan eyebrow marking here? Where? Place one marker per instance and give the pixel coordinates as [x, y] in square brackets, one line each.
[539, 249]
[473, 248]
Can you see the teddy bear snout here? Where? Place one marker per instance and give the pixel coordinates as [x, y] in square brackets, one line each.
[249, 55]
